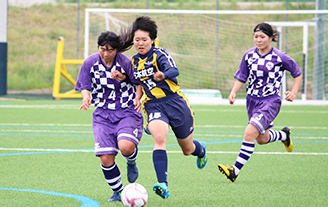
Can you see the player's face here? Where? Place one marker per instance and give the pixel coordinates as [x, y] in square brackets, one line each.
[107, 53]
[142, 42]
[262, 41]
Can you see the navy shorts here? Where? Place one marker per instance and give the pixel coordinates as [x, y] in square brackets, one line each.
[175, 111]
[109, 126]
[262, 111]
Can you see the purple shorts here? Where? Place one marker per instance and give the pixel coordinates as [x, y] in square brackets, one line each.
[109, 126]
[262, 111]
[175, 111]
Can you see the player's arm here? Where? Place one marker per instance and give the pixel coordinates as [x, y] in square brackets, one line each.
[117, 75]
[236, 87]
[168, 68]
[137, 101]
[290, 95]
[86, 101]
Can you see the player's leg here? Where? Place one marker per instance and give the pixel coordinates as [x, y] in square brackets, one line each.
[112, 175]
[190, 146]
[128, 137]
[159, 130]
[182, 123]
[270, 109]
[274, 135]
[129, 150]
[106, 148]
[246, 150]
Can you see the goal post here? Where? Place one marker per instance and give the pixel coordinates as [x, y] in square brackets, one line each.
[190, 36]
[304, 66]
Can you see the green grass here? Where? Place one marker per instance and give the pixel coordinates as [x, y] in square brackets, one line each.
[272, 177]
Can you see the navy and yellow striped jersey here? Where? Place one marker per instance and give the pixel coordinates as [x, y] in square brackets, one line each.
[145, 66]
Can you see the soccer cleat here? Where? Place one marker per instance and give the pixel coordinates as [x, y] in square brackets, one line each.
[147, 130]
[162, 190]
[228, 171]
[201, 162]
[116, 197]
[288, 142]
[133, 172]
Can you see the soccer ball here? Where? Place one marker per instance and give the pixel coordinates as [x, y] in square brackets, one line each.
[134, 195]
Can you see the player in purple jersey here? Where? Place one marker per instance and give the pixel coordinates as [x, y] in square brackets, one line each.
[164, 105]
[264, 67]
[117, 122]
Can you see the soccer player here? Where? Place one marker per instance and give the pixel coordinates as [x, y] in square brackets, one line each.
[117, 122]
[164, 104]
[264, 68]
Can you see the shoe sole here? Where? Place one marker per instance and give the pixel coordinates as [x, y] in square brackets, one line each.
[159, 191]
[290, 147]
[224, 172]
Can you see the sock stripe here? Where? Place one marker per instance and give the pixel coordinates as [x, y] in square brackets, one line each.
[113, 177]
[246, 150]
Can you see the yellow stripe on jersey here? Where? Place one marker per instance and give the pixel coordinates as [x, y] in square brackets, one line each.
[173, 86]
[157, 92]
[155, 62]
[185, 98]
[141, 63]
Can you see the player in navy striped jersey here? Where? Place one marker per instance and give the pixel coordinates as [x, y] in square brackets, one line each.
[264, 68]
[117, 122]
[164, 105]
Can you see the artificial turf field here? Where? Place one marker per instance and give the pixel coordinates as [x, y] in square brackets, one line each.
[47, 159]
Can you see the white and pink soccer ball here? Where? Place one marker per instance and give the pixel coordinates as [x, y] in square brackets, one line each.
[134, 195]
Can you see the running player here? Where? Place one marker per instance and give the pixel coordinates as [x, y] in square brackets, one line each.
[164, 105]
[264, 68]
[117, 121]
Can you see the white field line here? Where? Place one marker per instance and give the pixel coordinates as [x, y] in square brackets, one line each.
[196, 135]
[197, 126]
[67, 106]
[27, 124]
[281, 111]
[42, 106]
[52, 131]
[171, 152]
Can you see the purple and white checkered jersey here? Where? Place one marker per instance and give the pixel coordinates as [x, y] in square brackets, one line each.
[265, 72]
[106, 92]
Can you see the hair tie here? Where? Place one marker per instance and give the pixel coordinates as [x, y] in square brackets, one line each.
[264, 31]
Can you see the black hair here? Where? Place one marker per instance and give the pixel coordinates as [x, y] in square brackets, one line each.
[144, 23]
[113, 40]
[268, 30]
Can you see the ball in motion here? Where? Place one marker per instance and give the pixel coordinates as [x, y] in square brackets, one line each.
[134, 195]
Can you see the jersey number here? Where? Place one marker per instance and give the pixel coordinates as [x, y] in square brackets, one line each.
[150, 84]
[112, 95]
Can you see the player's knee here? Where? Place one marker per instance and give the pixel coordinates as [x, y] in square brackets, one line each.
[127, 148]
[159, 140]
[250, 135]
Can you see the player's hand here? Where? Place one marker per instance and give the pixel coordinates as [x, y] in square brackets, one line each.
[158, 76]
[85, 104]
[137, 105]
[117, 75]
[232, 98]
[290, 96]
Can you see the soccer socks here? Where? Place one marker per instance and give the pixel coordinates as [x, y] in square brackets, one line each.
[246, 150]
[160, 165]
[132, 158]
[199, 150]
[276, 135]
[113, 177]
